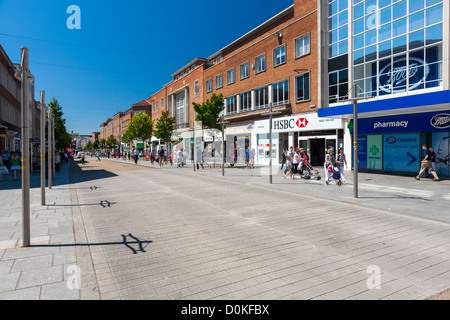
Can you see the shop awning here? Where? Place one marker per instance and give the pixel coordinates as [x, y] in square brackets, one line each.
[417, 103]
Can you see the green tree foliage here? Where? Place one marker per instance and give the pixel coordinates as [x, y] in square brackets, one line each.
[164, 127]
[112, 142]
[140, 127]
[209, 111]
[62, 137]
[103, 143]
[88, 145]
[96, 144]
[126, 137]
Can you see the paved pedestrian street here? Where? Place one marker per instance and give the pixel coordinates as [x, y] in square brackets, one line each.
[140, 232]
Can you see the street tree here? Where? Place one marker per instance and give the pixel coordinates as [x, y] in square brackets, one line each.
[140, 128]
[96, 144]
[89, 145]
[62, 137]
[208, 112]
[164, 127]
[112, 142]
[103, 143]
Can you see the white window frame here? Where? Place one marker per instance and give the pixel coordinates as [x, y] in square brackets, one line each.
[219, 84]
[275, 64]
[240, 70]
[297, 40]
[228, 76]
[209, 85]
[257, 64]
[196, 88]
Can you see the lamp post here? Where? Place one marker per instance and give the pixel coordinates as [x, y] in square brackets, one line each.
[43, 109]
[49, 148]
[23, 74]
[355, 100]
[223, 122]
[270, 114]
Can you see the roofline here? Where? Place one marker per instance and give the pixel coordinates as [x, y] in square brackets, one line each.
[189, 64]
[248, 34]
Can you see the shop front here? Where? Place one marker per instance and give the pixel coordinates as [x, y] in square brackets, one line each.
[394, 144]
[307, 131]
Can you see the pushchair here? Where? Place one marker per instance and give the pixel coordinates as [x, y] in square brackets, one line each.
[334, 174]
[309, 173]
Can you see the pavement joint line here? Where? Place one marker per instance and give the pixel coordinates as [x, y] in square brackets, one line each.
[340, 201]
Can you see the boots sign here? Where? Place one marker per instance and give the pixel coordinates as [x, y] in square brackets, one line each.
[301, 122]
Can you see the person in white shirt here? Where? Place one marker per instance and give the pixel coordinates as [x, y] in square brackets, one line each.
[180, 158]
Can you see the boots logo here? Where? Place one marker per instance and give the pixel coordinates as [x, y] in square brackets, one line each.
[441, 121]
[302, 122]
[394, 78]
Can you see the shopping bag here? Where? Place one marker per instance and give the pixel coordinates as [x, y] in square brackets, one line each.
[3, 170]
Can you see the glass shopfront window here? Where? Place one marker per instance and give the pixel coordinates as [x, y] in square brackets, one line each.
[441, 145]
[397, 45]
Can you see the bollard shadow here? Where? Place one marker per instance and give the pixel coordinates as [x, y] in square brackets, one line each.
[141, 245]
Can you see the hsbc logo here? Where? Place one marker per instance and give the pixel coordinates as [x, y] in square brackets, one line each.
[286, 124]
[302, 122]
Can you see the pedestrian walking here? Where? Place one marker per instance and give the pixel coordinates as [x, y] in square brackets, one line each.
[171, 159]
[161, 157]
[6, 157]
[295, 162]
[180, 158]
[15, 165]
[289, 167]
[199, 156]
[252, 159]
[247, 157]
[427, 164]
[330, 164]
[57, 162]
[341, 161]
[283, 159]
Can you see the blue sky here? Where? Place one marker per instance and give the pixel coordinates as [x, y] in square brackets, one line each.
[125, 50]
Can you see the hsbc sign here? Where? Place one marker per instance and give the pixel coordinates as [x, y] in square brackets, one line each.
[301, 122]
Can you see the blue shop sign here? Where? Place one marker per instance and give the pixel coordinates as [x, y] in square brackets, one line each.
[419, 122]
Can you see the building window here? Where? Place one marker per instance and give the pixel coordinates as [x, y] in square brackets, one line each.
[397, 47]
[245, 100]
[231, 76]
[244, 68]
[262, 98]
[231, 105]
[302, 87]
[279, 55]
[280, 93]
[196, 88]
[219, 81]
[302, 46]
[180, 108]
[338, 85]
[260, 63]
[338, 24]
[156, 106]
[209, 86]
[162, 104]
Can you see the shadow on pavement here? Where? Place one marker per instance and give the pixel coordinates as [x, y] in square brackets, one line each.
[141, 244]
[83, 173]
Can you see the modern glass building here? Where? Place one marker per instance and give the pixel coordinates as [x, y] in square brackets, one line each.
[395, 52]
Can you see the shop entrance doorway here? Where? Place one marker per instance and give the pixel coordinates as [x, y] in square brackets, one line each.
[317, 151]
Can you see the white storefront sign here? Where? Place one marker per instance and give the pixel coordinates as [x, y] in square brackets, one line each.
[301, 122]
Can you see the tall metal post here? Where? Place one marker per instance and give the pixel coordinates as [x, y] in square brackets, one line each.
[43, 115]
[193, 146]
[270, 114]
[53, 149]
[223, 122]
[25, 144]
[355, 142]
[49, 148]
